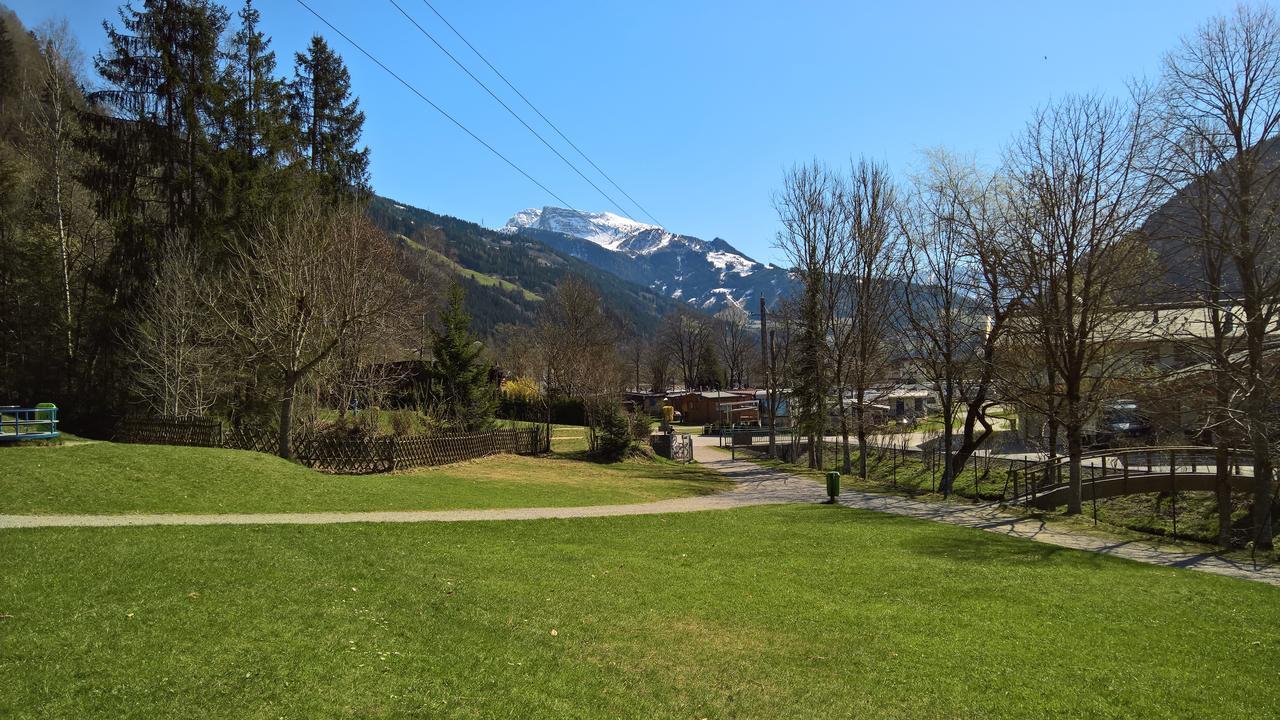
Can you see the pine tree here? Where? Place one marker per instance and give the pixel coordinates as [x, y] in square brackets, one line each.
[253, 127]
[155, 149]
[8, 66]
[465, 398]
[328, 120]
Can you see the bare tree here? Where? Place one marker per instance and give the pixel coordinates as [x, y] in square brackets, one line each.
[686, 338]
[1078, 199]
[808, 208]
[955, 300]
[1221, 101]
[577, 344]
[778, 328]
[62, 204]
[734, 343]
[657, 364]
[861, 303]
[167, 337]
[299, 287]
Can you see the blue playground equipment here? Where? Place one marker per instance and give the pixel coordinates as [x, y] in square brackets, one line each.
[37, 423]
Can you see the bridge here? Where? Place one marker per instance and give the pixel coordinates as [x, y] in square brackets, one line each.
[1127, 471]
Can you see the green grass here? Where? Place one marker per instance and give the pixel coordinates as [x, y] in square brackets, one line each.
[110, 478]
[796, 612]
[566, 440]
[909, 475]
[1133, 516]
[479, 277]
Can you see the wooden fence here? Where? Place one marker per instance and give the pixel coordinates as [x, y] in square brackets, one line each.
[336, 453]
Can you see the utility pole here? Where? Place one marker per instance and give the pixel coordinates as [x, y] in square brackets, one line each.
[766, 362]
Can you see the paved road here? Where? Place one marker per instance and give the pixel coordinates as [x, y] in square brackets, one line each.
[753, 485]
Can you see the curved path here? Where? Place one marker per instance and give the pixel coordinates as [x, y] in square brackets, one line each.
[753, 485]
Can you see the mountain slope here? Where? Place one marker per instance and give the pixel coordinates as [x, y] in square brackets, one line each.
[506, 277]
[708, 275]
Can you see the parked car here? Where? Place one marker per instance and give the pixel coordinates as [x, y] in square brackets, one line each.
[1121, 420]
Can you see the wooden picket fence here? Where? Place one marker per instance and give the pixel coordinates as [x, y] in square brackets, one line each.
[335, 453]
[196, 431]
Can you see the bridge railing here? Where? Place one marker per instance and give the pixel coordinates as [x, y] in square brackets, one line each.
[1034, 479]
[37, 423]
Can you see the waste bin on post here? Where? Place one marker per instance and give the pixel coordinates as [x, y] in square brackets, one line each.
[833, 486]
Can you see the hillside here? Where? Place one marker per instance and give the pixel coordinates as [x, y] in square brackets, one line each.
[507, 276]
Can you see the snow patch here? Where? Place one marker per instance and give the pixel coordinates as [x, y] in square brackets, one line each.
[729, 262]
[604, 228]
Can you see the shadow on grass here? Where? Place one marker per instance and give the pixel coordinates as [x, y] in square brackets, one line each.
[962, 545]
[645, 467]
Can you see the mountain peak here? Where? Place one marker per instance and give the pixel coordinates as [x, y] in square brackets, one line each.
[708, 275]
[603, 228]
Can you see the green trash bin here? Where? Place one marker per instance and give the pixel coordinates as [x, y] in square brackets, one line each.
[833, 485]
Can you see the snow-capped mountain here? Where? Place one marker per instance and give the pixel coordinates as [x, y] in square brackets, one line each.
[709, 275]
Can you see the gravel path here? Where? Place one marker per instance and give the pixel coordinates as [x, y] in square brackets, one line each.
[753, 485]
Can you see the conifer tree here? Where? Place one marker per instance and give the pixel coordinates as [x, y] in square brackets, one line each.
[253, 128]
[8, 66]
[328, 120]
[161, 71]
[464, 396]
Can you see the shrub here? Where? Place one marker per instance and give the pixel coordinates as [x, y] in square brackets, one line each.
[367, 422]
[402, 422]
[614, 436]
[641, 426]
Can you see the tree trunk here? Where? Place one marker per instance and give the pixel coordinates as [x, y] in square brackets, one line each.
[970, 441]
[1075, 451]
[1222, 489]
[1262, 471]
[285, 446]
[846, 465]
[862, 436]
[948, 477]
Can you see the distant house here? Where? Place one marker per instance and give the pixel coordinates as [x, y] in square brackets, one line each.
[782, 413]
[738, 407]
[649, 403]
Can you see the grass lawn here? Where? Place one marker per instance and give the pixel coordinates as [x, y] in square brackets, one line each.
[796, 612]
[911, 476]
[112, 478]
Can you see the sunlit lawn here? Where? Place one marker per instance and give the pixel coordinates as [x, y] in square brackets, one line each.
[114, 478]
[778, 612]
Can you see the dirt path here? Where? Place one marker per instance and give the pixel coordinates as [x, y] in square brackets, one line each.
[753, 485]
[990, 518]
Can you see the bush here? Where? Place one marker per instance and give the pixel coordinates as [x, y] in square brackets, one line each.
[367, 423]
[614, 436]
[402, 422]
[641, 426]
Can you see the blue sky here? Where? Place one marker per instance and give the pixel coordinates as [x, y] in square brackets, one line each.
[697, 108]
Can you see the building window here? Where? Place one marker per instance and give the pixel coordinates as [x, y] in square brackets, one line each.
[1229, 322]
[919, 404]
[1155, 316]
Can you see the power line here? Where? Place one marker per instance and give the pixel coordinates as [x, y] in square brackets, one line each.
[539, 112]
[506, 107]
[437, 108]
